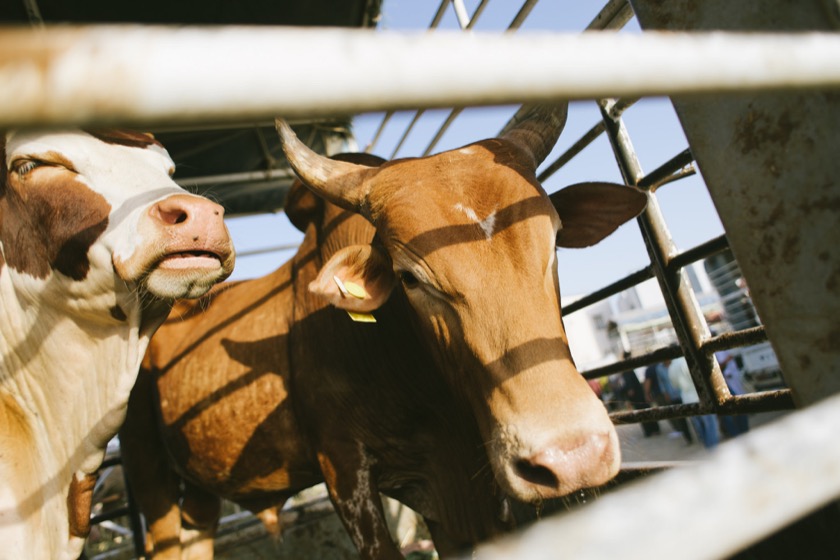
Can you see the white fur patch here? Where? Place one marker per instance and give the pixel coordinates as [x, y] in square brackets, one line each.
[360, 504]
[487, 225]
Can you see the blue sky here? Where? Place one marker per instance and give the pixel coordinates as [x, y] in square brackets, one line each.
[651, 122]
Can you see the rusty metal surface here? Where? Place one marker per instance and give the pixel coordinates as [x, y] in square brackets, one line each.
[680, 300]
[770, 162]
[766, 401]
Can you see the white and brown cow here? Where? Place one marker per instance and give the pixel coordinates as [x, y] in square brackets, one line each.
[96, 240]
[462, 393]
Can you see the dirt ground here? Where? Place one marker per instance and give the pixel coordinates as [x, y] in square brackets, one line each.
[669, 445]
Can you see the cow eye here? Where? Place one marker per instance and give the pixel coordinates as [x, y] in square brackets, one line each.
[408, 279]
[24, 166]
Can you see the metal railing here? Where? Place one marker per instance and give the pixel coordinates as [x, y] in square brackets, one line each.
[718, 62]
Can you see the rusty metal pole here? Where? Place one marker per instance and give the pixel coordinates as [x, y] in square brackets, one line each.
[682, 305]
[770, 161]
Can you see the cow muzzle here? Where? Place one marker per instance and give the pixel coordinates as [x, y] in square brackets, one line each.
[554, 448]
[563, 467]
[184, 248]
[559, 467]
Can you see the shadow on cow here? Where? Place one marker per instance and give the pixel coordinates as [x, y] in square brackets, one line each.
[96, 242]
[462, 395]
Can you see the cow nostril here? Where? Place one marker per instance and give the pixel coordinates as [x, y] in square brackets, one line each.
[172, 214]
[535, 474]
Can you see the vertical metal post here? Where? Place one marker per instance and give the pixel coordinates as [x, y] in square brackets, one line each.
[686, 316]
[770, 162]
[138, 532]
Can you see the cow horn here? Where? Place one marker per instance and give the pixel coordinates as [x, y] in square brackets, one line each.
[537, 128]
[340, 182]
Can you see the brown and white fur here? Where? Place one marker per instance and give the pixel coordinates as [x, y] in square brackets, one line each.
[96, 240]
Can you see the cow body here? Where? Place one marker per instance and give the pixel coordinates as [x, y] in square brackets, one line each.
[462, 394]
[97, 242]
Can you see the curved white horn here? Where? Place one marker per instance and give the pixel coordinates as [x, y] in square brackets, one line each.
[340, 182]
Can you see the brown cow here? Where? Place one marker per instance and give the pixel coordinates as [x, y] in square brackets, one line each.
[96, 241]
[462, 393]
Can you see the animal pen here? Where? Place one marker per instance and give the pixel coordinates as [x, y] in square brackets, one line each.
[757, 92]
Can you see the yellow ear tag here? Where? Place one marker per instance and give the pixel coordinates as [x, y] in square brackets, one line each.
[362, 317]
[355, 290]
[348, 289]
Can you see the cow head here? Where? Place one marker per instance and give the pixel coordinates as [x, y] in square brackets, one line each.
[97, 213]
[470, 236]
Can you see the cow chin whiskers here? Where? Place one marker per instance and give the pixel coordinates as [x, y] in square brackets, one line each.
[153, 283]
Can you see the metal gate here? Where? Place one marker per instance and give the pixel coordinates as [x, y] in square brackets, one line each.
[769, 161]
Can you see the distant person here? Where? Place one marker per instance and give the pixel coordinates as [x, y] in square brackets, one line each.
[706, 424]
[733, 425]
[660, 390]
[634, 394]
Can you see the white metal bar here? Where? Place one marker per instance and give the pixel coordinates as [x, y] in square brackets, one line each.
[749, 488]
[243, 177]
[166, 75]
[461, 13]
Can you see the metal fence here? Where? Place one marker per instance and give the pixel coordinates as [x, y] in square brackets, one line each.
[668, 63]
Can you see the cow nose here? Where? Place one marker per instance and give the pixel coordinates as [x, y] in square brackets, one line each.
[183, 208]
[558, 467]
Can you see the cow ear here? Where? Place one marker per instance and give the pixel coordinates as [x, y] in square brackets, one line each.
[302, 207]
[358, 278]
[590, 212]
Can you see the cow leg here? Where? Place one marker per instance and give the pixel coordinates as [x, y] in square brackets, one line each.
[270, 518]
[200, 512]
[153, 484]
[354, 494]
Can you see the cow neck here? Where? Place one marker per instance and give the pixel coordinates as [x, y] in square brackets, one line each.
[77, 372]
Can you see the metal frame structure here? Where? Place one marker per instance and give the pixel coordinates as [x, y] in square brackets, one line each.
[781, 62]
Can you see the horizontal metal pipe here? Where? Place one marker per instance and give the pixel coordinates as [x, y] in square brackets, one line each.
[704, 250]
[726, 341]
[168, 75]
[659, 355]
[109, 515]
[765, 401]
[574, 150]
[665, 171]
[236, 177]
[616, 287]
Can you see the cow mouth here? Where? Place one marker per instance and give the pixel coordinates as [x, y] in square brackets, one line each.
[190, 260]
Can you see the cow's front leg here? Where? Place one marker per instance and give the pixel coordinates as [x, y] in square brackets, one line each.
[200, 513]
[353, 491]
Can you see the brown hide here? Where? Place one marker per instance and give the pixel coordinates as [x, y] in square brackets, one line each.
[218, 377]
[265, 387]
